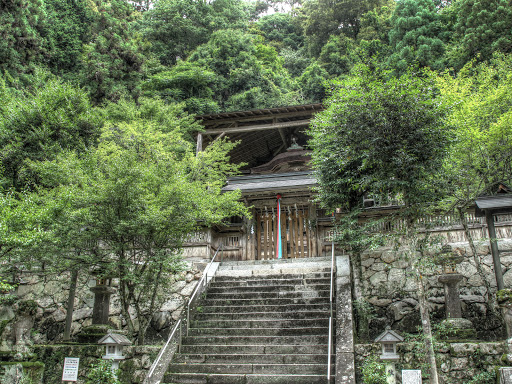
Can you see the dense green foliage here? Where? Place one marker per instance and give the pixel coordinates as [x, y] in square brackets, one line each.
[97, 97]
[379, 134]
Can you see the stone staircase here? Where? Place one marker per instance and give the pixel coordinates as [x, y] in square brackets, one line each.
[261, 322]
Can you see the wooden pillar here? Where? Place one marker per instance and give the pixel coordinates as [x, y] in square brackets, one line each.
[489, 217]
[251, 231]
[314, 230]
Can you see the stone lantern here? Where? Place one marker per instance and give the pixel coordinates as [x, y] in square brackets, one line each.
[458, 328]
[114, 344]
[388, 340]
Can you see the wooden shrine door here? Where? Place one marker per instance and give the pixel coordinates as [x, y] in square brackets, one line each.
[296, 233]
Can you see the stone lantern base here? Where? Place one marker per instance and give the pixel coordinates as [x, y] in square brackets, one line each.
[92, 333]
[458, 328]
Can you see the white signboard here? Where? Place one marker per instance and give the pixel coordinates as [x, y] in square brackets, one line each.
[70, 372]
[505, 375]
[411, 376]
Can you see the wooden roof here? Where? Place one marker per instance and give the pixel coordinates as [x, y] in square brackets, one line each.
[262, 133]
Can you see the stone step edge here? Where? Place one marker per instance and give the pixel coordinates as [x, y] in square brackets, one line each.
[259, 306]
[253, 345]
[251, 355]
[253, 313]
[261, 329]
[261, 320]
[277, 261]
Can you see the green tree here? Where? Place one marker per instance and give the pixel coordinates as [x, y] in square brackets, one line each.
[176, 27]
[21, 41]
[480, 112]
[67, 30]
[381, 134]
[134, 199]
[281, 30]
[185, 82]
[418, 35]
[37, 126]
[338, 55]
[248, 73]
[376, 23]
[323, 18]
[313, 83]
[112, 63]
[481, 28]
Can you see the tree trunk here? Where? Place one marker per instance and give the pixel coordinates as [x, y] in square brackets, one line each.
[70, 306]
[427, 329]
[469, 237]
[412, 239]
[363, 320]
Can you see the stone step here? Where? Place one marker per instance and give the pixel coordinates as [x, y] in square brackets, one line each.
[246, 272]
[267, 295]
[251, 358]
[223, 368]
[201, 378]
[314, 260]
[275, 323]
[257, 349]
[309, 266]
[305, 299]
[255, 340]
[203, 316]
[249, 282]
[257, 331]
[248, 309]
[283, 276]
[269, 288]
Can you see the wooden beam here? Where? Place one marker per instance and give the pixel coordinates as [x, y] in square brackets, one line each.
[251, 128]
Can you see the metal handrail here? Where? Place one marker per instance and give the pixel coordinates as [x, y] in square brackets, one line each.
[157, 360]
[331, 295]
[201, 283]
[329, 351]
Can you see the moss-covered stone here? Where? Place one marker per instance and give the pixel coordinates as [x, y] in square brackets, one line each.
[27, 307]
[92, 333]
[504, 296]
[31, 369]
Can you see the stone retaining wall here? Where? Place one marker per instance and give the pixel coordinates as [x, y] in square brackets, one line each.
[390, 289]
[51, 358]
[459, 363]
[49, 297]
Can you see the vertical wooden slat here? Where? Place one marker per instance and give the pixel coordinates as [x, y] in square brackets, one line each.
[295, 234]
[265, 236]
[283, 233]
[258, 237]
[290, 233]
[308, 234]
[301, 234]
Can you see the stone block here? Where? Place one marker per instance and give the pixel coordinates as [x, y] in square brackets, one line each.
[379, 278]
[399, 309]
[379, 302]
[466, 269]
[189, 289]
[492, 348]
[378, 267]
[388, 256]
[172, 304]
[396, 276]
[463, 349]
[367, 262]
